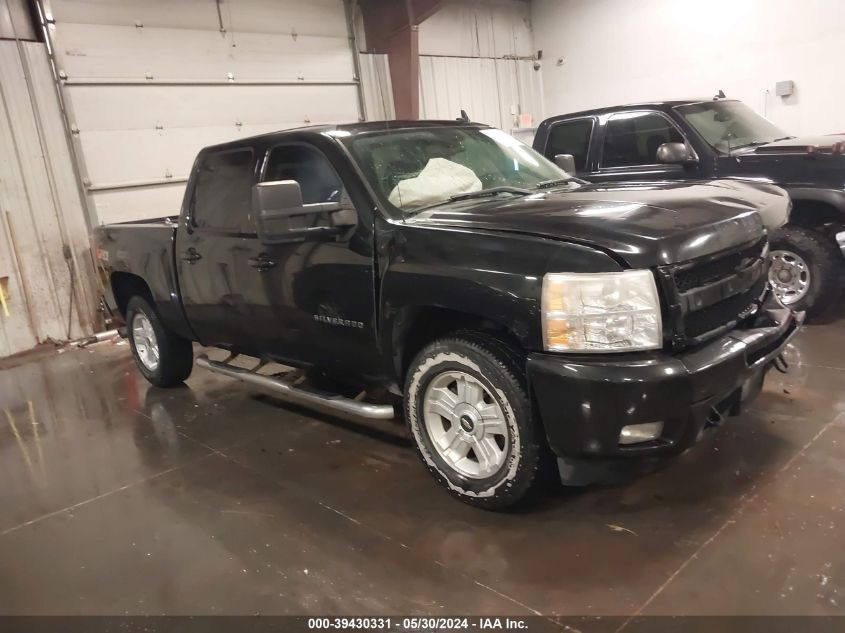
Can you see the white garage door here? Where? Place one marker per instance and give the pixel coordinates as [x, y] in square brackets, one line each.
[149, 82]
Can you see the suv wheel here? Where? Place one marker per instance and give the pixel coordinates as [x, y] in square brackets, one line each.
[164, 358]
[806, 270]
[469, 413]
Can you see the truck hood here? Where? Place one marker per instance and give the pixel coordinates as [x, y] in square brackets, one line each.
[644, 224]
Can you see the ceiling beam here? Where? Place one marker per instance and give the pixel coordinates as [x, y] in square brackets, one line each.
[392, 28]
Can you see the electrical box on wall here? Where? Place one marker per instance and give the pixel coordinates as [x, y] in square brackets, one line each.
[784, 88]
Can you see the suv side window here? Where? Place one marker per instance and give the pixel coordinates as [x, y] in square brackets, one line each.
[632, 138]
[307, 166]
[571, 137]
[223, 190]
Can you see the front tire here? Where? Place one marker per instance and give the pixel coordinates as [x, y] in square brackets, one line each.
[469, 413]
[164, 358]
[806, 270]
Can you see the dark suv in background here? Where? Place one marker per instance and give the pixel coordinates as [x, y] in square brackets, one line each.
[721, 138]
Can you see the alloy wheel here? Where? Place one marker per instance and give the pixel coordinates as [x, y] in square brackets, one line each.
[466, 425]
[789, 275]
[146, 343]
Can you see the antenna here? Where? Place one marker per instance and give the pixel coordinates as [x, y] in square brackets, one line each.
[719, 95]
[464, 117]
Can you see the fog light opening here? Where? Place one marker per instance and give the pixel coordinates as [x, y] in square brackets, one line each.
[638, 433]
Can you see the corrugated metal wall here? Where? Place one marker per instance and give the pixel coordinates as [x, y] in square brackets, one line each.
[492, 91]
[479, 28]
[14, 20]
[45, 265]
[148, 83]
[479, 57]
[376, 87]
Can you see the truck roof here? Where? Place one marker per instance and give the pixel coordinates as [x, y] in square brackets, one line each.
[671, 103]
[352, 128]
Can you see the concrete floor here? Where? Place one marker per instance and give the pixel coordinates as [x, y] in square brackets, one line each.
[121, 498]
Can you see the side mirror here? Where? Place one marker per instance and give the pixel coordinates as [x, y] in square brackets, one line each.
[676, 154]
[566, 162]
[281, 216]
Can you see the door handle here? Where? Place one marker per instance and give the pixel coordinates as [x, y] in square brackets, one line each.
[261, 262]
[191, 255]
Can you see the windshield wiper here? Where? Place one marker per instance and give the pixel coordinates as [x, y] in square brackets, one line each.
[783, 138]
[554, 182]
[751, 144]
[482, 193]
[492, 191]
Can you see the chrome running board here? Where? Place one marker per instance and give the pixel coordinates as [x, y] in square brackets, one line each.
[288, 389]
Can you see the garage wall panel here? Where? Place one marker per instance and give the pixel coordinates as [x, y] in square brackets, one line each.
[315, 17]
[148, 84]
[188, 14]
[130, 203]
[92, 51]
[492, 91]
[604, 52]
[14, 20]
[376, 87]
[137, 133]
[43, 238]
[479, 57]
[104, 108]
[451, 84]
[492, 28]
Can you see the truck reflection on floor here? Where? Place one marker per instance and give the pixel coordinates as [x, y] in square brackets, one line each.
[165, 437]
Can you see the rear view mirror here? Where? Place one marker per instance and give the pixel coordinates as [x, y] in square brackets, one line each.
[676, 154]
[566, 162]
[281, 216]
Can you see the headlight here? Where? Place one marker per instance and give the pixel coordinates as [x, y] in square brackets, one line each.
[601, 312]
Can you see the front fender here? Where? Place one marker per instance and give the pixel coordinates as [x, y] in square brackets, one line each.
[493, 276]
[832, 197]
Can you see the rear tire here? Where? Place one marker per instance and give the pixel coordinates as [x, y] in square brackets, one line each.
[807, 269]
[469, 413]
[164, 358]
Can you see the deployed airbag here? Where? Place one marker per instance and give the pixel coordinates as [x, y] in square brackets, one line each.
[438, 180]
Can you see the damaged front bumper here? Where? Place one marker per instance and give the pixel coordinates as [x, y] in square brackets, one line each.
[586, 402]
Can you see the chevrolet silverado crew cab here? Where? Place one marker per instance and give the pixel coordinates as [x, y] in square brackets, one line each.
[722, 138]
[520, 314]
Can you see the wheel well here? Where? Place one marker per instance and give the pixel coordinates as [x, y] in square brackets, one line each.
[125, 286]
[813, 214]
[432, 323]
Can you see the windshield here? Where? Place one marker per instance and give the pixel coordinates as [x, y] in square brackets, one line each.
[421, 167]
[730, 125]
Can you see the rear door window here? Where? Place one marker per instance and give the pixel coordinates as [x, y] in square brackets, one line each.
[223, 191]
[571, 137]
[632, 138]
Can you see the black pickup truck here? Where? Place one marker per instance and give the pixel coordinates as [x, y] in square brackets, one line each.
[519, 313]
[723, 138]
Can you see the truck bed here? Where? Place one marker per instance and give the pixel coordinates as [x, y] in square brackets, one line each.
[143, 249]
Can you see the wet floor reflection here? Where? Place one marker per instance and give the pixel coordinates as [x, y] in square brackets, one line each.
[68, 432]
[220, 501]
